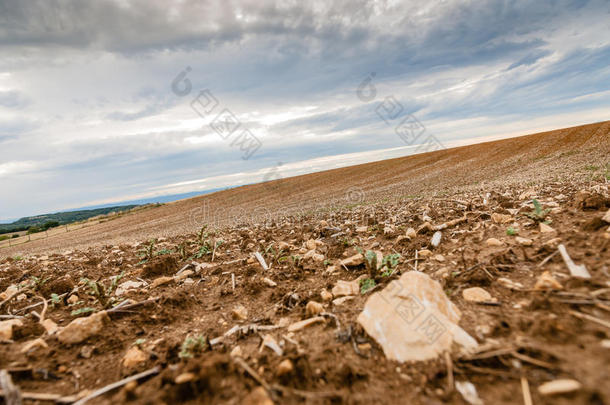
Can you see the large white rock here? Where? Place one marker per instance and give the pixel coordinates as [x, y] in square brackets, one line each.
[413, 320]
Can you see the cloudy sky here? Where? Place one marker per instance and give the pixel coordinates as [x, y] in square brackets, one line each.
[104, 101]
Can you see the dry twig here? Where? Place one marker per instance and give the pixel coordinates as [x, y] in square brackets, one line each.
[118, 384]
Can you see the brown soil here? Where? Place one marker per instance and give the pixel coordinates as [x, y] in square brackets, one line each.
[528, 333]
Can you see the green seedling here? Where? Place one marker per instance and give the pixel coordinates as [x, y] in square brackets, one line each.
[538, 214]
[391, 261]
[192, 346]
[296, 260]
[81, 311]
[182, 251]
[148, 252]
[366, 285]
[103, 294]
[55, 300]
[510, 231]
[389, 264]
[203, 250]
[203, 235]
[163, 252]
[37, 282]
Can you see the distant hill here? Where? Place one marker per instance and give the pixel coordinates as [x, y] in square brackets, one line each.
[83, 213]
[25, 223]
[154, 200]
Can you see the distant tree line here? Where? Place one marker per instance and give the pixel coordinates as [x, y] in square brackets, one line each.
[41, 223]
[44, 227]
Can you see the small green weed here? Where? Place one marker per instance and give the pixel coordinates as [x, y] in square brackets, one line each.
[366, 285]
[192, 346]
[538, 214]
[81, 311]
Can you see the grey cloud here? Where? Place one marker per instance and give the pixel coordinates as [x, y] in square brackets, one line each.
[13, 99]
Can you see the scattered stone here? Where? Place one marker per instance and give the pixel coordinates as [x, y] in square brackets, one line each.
[501, 218]
[326, 296]
[493, 242]
[527, 194]
[128, 286]
[285, 367]
[310, 244]
[343, 300]
[524, 241]
[86, 351]
[270, 342]
[50, 326]
[269, 282]
[389, 230]
[365, 347]
[353, 261]
[439, 258]
[188, 281]
[313, 308]
[606, 218]
[476, 294]
[362, 229]
[133, 358]
[508, 283]
[318, 257]
[240, 313]
[424, 253]
[12, 289]
[6, 328]
[33, 345]
[436, 238]
[552, 243]
[303, 324]
[469, 392]
[236, 352]
[544, 228]
[343, 288]
[73, 299]
[258, 396]
[562, 386]
[283, 246]
[547, 282]
[81, 329]
[411, 233]
[161, 281]
[185, 378]
[413, 320]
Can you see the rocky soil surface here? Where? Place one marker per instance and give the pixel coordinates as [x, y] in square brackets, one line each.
[495, 295]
